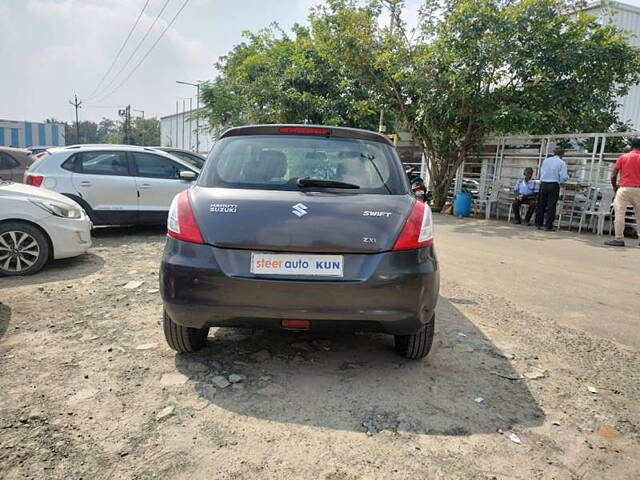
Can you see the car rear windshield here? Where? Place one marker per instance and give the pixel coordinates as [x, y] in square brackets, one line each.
[276, 162]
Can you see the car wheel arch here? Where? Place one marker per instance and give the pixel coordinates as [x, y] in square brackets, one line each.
[36, 226]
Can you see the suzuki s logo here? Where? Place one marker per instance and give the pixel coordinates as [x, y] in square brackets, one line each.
[300, 210]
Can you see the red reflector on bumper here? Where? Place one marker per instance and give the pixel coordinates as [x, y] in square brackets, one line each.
[296, 324]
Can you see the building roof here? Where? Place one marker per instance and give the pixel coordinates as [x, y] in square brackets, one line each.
[612, 4]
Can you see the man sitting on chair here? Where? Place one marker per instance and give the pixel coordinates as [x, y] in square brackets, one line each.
[526, 191]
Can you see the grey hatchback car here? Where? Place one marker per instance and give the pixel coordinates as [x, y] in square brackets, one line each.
[300, 227]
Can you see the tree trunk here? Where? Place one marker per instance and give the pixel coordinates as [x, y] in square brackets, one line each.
[442, 175]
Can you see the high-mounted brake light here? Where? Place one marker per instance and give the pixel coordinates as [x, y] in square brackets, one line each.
[305, 130]
[34, 180]
[182, 223]
[418, 230]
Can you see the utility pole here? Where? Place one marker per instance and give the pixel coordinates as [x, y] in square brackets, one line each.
[76, 103]
[126, 114]
[197, 85]
[392, 6]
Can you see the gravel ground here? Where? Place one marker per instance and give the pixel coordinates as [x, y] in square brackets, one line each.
[89, 389]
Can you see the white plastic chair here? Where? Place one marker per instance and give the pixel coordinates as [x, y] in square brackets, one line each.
[598, 209]
[493, 198]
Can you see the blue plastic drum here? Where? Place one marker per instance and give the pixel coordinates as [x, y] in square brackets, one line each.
[462, 204]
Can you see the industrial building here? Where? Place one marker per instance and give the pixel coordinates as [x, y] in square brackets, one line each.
[626, 17]
[183, 130]
[22, 134]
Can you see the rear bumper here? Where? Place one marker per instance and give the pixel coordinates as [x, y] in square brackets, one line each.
[70, 237]
[391, 292]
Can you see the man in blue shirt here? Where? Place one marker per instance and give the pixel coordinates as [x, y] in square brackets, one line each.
[526, 191]
[553, 172]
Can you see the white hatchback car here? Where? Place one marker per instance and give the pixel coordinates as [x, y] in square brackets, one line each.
[115, 184]
[37, 225]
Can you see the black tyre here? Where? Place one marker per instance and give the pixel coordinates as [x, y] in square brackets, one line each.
[24, 249]
[184, 339]
[418, 345]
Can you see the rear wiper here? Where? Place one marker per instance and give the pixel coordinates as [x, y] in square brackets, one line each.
[318, 182]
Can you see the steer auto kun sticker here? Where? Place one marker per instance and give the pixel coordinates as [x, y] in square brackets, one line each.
[292, 264]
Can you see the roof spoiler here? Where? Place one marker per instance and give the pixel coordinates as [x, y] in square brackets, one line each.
[316, 130]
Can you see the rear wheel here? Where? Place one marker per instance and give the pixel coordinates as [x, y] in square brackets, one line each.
[418, 345]
[184, 339]
[23, 249]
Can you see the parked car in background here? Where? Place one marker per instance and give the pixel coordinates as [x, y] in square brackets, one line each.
[37, 149]
[38, 225]
[300, 227]
[194, 159]
[115, 184]
[13, 163]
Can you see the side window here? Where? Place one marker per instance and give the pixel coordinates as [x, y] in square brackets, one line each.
[71, 162]
[154, 166]
[6, 162]
[102, 163]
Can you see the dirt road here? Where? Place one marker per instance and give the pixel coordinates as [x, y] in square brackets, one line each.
[574, 279]
[88, 389]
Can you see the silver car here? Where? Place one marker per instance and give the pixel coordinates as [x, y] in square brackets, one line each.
[36, 226]
[115, 184]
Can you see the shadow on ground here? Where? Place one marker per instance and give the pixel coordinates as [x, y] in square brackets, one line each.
[59, 271]
[5, 317]
[357, 382]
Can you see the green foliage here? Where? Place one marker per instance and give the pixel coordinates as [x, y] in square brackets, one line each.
[470, 68]
[275, 78]
[475, 67]
[144, 131]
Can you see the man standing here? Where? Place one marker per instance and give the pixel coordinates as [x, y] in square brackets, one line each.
[627, 191]
[553, 172]
[526, 191]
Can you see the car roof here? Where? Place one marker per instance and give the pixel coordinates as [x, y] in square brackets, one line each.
[14, 150]
[122, 148]
[102, 146]
[333, 131]
[174, 149]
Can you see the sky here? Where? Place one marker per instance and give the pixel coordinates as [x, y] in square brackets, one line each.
[52, 50]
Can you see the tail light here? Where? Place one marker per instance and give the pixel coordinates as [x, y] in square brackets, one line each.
[182, 223]
[305, 130]
[34, 180]
[418, 230]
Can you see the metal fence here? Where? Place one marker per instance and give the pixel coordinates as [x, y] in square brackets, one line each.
[585, 200]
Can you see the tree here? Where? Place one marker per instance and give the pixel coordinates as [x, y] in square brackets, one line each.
[88, 132]
[145, 131]
[475, 67]
[107, 128]
[276, 78]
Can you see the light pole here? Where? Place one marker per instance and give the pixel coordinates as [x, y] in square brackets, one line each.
[197, 85]
[392, 7]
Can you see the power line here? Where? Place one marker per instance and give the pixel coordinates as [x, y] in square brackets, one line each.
[120, 51]
[126, 63]
[148, 52]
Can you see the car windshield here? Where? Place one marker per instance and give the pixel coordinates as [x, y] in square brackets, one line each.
[276, 162]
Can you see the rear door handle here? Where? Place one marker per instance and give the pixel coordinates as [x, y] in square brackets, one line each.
[145, 185]
[85, 183]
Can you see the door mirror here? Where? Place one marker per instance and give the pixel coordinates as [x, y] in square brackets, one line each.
[188, 175]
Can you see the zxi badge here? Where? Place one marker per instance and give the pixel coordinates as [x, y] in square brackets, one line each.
[300, 210]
